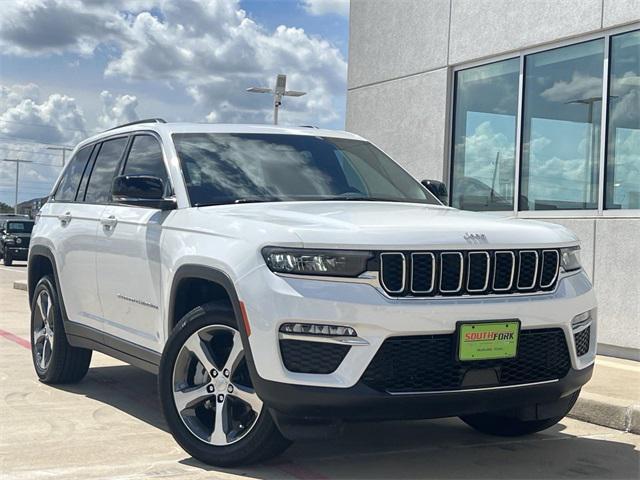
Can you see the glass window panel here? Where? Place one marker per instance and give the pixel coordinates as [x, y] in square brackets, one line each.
[623, 135]
[561, 128]
[69, 184]
[484, 136]
[145, 158]
[224, 168]
[104, 169]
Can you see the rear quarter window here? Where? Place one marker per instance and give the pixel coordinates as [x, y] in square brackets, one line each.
[68, 187]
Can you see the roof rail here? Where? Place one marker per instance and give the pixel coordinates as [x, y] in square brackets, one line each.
[146, 120]
[307, 126]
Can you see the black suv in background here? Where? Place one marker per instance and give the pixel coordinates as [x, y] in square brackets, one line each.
[15, 235]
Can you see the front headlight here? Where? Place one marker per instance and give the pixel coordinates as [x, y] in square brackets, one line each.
[570, 259]
[302, 261]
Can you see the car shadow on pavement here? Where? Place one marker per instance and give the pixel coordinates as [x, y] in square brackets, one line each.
[129, 389]
[444, 448]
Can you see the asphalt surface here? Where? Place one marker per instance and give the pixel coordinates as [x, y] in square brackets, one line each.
[110, 426]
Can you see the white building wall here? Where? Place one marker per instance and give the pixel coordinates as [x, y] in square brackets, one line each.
[401, 54]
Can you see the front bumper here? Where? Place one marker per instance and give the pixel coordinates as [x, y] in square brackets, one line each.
[527, 402]
[272, 300]
[18, 253]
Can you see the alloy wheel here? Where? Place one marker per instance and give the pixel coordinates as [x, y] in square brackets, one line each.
[43, 335]
[212, 390]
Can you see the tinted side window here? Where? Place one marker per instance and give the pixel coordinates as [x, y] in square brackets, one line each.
[145, 158]
[104, 169]
[69, 184]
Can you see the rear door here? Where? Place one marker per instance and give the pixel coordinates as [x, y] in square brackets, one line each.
[129, 255]
[70, 224]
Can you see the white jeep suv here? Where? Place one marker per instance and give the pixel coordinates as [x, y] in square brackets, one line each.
[283, 281]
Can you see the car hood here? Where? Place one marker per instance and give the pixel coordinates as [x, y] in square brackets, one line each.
[389, 225]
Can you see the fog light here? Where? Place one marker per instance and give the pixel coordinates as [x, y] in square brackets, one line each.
[313, 329]
[581, 319]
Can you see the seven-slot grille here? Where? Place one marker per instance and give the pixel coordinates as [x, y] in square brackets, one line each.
[472, 272]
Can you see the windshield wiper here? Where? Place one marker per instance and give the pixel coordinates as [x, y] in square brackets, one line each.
[257, 200]
[233, 201]
[361, 198]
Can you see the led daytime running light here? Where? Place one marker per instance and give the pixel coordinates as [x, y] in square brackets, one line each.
[314, 329]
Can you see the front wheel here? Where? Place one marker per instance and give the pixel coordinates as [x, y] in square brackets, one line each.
[207, 395]
[504, 426]
[6, 258]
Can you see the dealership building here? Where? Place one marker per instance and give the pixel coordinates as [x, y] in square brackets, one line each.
[521, 107]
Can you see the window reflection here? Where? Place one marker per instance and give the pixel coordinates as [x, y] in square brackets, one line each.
[561, 128]
[623, 136]
[226, 168]
[484, 136]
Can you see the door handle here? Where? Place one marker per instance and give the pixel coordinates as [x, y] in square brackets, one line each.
[65, 218]
[109, 222]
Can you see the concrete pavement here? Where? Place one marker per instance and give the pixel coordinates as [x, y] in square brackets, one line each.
[110, 426]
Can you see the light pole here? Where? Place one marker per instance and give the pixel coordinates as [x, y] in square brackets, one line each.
[64, 151]
[278, 92]
[17, 162]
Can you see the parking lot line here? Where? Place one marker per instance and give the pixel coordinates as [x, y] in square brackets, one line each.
[14, 338]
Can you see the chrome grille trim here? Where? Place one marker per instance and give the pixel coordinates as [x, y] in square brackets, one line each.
[513, 269]
[433, 271]
[557, 270]
[486, 280]
[461, 274]
[404, 271]
[535, 270]
[523, 276]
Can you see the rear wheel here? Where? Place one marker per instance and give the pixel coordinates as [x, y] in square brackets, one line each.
[207, 396]
[54, 359]
[504, 426]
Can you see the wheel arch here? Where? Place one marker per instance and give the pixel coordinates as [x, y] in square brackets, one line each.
[193, 285]
[40, 263]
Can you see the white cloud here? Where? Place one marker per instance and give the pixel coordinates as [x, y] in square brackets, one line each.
[55, 119]
[222, 53]
[208, 48]
[580, 87]
[117, 110]
[488, 157]
[323, 7]
[13, 95]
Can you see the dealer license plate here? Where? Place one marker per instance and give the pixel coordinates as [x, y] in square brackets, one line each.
[488, 340]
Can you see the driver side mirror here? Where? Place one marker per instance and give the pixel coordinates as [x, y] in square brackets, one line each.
[438, 189]
[141, 191]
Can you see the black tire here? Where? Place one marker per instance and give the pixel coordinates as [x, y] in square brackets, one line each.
[6, 258]
[503, 426]
[262, 442]
[67, 364]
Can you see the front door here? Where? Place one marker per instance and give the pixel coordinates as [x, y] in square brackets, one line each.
[129, 256]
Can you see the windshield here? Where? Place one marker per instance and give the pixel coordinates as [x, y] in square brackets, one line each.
[236, 168]
[19, 227]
